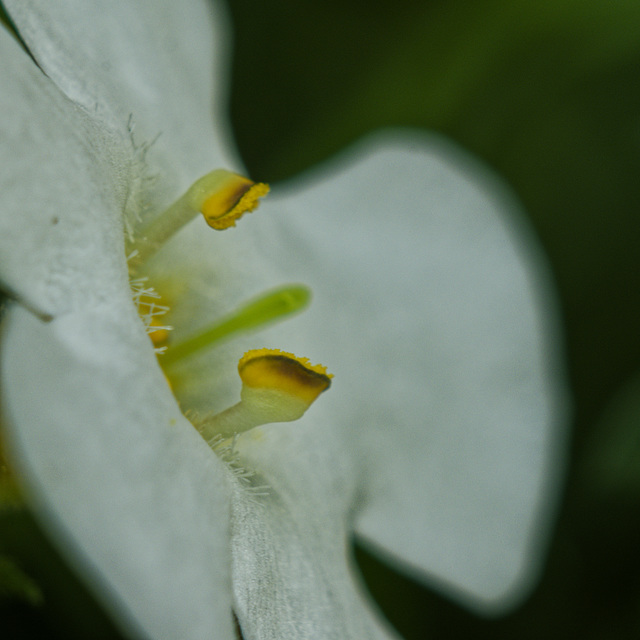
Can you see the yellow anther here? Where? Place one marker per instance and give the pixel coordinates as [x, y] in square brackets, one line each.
[275, 369]
[220, 196]
[239, 196]
[276, 387]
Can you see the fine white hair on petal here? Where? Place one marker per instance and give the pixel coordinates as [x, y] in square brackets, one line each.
[433, 307]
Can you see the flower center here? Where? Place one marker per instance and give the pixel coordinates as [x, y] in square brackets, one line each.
[269, 307]
[276, 386]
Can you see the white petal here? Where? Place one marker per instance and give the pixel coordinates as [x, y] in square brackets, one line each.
[128, 489]
[432, 308]
[63, 184]
[160, 61]
[292, 574]
[124, 484]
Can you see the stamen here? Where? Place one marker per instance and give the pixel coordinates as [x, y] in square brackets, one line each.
[275, 369]
[223, 207]
[276, 387]
[268, 308]
[221, 196]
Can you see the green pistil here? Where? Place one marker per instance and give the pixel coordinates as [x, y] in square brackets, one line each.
[269, 307]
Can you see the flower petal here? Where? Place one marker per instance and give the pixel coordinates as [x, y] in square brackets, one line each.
[124, 484]
[63, 187]
[292, 574]
[131, 493]
[160, 61]
[432, 307]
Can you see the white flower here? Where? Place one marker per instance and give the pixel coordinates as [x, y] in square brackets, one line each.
[437, 443]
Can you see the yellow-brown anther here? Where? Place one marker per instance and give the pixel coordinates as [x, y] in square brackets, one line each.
[238, 196]
[276, 387]
[275, 369]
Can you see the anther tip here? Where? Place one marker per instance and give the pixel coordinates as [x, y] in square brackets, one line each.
[285, 372]
[238, 196]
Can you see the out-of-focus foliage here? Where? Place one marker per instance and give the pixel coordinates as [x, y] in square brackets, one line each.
[39, 596]
[548, 93]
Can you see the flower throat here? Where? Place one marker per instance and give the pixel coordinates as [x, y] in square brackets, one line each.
[277, 386]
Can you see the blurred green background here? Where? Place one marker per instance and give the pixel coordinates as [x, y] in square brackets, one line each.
[547, 93]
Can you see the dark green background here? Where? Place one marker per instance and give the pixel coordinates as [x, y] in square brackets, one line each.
[548, 93]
